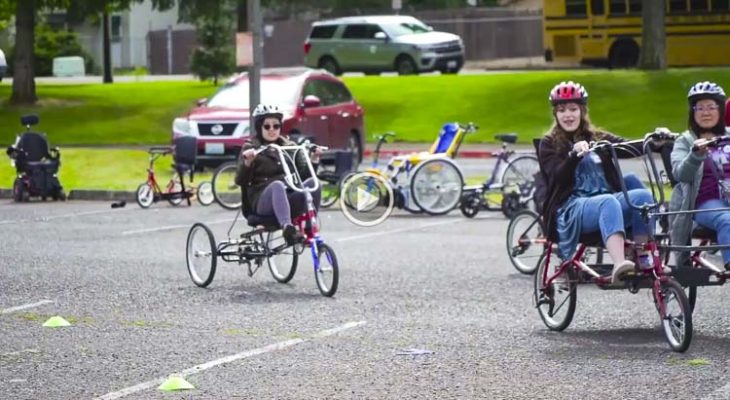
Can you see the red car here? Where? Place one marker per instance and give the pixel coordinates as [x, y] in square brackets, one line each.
[315, 103]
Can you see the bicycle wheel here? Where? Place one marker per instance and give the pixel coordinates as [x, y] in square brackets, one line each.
[555, 303]
[145, 195]
[470, 204]
[525, 241]
[330, 194]
[519, 177]
[225, 190]
[677, 317]
[326, 271]
[204, 193]
[283, 263]
[201, 255]
[174, 187]
[436, 186]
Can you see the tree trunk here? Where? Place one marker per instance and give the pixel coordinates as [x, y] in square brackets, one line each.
[23, 71]
[241, 16]
[107, 49]
[653, 42]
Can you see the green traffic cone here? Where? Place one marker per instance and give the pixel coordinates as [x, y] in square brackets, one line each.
[174, 383]
[56, 322]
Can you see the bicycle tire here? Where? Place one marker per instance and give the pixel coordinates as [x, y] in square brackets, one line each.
[225, 191]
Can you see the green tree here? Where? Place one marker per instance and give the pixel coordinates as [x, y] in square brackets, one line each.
[214, 56]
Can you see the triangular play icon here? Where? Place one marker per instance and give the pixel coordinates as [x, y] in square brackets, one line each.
[175, 382]
[56, 322]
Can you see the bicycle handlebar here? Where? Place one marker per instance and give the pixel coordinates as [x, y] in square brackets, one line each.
[305, 148]
[469, 127]
[714, 142]
[160, 150]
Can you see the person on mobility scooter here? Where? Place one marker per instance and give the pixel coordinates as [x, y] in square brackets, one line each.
[261, 175]
[36, 165]
[583, 187]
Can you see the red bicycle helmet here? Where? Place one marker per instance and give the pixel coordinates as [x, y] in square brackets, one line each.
[568, 92]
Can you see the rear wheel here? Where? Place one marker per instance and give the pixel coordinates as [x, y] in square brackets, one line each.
[555, 302]
[624, 53]
[355, 147]
[330, 65]
[201, 255]
[283, 264]
[145, 195]
[225, 190]
[470, 205]
[326, 271]
[525, 241]
[519, 178]
[436, 186]
[174, 190]
[19, 192]
[204, 193]
[330, 194]
[677, 318]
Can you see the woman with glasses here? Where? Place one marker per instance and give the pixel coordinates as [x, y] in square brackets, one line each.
[583, 187]
[261, 176]
[701, 171]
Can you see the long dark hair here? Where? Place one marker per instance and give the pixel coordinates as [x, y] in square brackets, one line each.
[719, 128]
[564, 140]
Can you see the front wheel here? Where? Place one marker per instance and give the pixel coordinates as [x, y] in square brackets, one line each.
[204, 193]
[677, 315]
[226, 191]
[283, 261]
[145, 195]
[326, 270]
[330, 194]
[470, 205]
[518, 183]
[556, 301]
[525, 241]
[201, 255]
[436, 186]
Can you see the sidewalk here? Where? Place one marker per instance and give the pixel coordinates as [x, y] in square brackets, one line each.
[467, 150]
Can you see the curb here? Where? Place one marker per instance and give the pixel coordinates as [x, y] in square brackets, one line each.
[83, 194]
[460, 154]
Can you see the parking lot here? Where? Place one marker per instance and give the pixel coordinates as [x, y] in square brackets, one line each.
[427, 308]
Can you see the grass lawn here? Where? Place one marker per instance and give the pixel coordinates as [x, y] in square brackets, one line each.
[104, 169]
[629, 103]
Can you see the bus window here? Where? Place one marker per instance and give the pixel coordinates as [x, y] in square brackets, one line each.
[720, 5]
[617, 7]
[575, 7]
[597, 7]
[677, 6]
[699, 5]
[634, 6]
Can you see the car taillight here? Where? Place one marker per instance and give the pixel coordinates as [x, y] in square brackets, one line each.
[307, 46]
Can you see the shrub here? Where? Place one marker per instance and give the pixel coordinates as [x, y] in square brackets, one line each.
[49, 44]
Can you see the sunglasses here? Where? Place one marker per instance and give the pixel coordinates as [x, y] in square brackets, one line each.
[275, 126]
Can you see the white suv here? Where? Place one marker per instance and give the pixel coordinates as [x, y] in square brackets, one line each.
[382, 43]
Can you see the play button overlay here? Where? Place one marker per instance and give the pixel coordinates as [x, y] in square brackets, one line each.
[366, 199]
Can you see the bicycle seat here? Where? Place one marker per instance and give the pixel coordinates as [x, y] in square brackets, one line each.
[702, 233]
[510, 138]
[269, 222]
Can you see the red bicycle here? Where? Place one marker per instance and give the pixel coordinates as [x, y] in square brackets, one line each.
[175, 191]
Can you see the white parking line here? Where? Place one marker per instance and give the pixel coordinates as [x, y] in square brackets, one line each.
[170, 227]
[44, 219]
[399, 230]
[25, 307]
[225, 360]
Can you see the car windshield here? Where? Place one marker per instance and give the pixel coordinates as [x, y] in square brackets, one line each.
[405, 28]
[235, 95]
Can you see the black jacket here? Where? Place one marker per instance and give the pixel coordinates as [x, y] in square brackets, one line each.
[265, 168]
[558, 167]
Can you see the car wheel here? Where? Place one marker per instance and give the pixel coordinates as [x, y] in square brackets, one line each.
[330, 65]
[354, 146]
[405, 65]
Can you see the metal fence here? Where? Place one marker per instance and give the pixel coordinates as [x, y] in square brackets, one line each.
[488, 34]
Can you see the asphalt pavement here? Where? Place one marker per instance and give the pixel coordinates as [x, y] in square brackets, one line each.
[427, 307]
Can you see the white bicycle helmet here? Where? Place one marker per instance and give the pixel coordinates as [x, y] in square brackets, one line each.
[706, 90]
[267, 110]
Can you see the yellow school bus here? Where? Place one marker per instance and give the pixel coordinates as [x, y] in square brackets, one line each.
[608, 32]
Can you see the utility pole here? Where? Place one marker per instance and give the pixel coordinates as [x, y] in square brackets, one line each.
[254, 71]
[107, 48]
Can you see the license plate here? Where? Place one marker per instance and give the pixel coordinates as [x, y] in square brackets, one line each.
[451, 64]
[214, 148]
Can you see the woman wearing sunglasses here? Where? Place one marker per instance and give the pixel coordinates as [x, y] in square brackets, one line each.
[261, 176]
